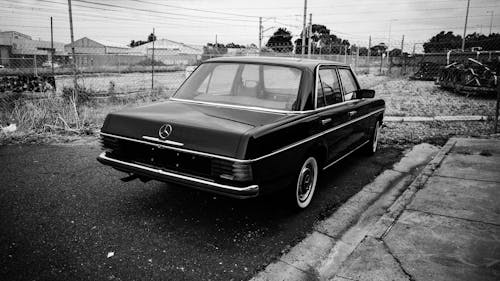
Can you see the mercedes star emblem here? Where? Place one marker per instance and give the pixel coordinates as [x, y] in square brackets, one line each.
[165, 131]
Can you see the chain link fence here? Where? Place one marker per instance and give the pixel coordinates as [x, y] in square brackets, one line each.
[160, 69]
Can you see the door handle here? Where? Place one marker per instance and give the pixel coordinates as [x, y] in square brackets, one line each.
[326, 121]
[352, 113]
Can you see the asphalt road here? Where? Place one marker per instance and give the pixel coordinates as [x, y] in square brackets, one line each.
[62, 214]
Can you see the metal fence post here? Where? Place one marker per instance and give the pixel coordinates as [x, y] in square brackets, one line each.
[153, 64]
[497, 106]
[34, 65]
[345, 54]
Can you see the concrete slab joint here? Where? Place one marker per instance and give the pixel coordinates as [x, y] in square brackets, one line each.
[321, 254]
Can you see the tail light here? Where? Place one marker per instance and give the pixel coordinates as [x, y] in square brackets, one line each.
[232, 170]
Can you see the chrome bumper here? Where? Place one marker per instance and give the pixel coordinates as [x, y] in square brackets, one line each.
[161, 175]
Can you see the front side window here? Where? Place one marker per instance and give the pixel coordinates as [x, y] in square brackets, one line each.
[348, 83]
[328, 88]
[255, 85]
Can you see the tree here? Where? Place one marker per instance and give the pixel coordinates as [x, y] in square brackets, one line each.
[233, 45]
[378, 49]
[151, 37]
[363, 51]
[445, 41]
[395, 52]
[281, 41]
[329, 43]
[442, 42]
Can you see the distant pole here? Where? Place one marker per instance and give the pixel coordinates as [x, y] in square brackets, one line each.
[304, 29]
[153, 63]
[402, 57]
[52, 51]
[309, 37]
[369, 51]
[465, 25]
[491, 20]
[402, 44]
[260, 34]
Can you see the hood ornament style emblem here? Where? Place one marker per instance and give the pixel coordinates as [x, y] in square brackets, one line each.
[165, 131]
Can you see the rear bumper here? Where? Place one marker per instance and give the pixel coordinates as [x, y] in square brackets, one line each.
[165, 176]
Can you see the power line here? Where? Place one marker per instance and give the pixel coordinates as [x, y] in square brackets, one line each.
[48, 10]
[192, 9]
[153, 11]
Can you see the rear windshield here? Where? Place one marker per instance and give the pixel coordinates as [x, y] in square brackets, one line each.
[254, 85]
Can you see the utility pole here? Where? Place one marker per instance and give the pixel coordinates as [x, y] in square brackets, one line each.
[52, 51]
[402, 44]
[260, 34]
[153, 62]
[75, 83]
[491, 20]
[465, 26]
[309, 37]
[304, 29]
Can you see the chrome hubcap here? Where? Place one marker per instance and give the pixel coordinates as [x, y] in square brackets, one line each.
[306, 182]
[375, 137]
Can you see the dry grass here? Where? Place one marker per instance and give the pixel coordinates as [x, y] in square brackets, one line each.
[54, 119]
[423, 98]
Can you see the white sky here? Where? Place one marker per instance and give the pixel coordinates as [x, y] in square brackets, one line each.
[237, 21]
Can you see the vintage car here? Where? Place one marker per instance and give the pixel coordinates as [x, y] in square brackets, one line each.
[246, 126]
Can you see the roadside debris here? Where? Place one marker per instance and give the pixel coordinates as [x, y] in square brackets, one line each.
[9, 129]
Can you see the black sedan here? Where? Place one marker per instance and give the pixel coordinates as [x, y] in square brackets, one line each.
[246, 126]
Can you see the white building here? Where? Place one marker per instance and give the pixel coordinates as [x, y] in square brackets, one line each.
[170, 52]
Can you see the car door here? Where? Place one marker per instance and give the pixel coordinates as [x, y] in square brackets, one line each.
[332, 113]
[356, 109]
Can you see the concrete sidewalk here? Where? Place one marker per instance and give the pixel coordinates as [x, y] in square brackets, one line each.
[446, 226]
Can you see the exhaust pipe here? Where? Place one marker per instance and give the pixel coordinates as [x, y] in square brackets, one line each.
[132, 177]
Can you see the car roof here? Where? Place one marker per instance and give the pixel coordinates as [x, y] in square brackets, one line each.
[286, 61]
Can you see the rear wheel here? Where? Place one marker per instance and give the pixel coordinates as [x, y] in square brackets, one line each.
[306, 183]
[372, 146]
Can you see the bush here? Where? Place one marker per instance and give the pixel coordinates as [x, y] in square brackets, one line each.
[84, 96]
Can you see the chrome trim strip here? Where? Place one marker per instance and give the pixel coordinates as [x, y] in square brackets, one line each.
[255, 159]
[347, 154]
[251, 188]
[163, 141]
[254, 108]
[176, 148]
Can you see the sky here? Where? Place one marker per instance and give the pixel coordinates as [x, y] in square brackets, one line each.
[200, 21]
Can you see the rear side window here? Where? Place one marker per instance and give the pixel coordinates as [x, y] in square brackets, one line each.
[221, 79]
[328, 88]
[348, 83]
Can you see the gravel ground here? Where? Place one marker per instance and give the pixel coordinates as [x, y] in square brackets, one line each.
[437, 133]
[422, 98]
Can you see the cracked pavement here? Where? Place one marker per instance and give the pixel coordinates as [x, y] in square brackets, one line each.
[450, 230]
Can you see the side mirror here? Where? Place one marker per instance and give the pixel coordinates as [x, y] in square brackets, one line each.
[365, 94]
